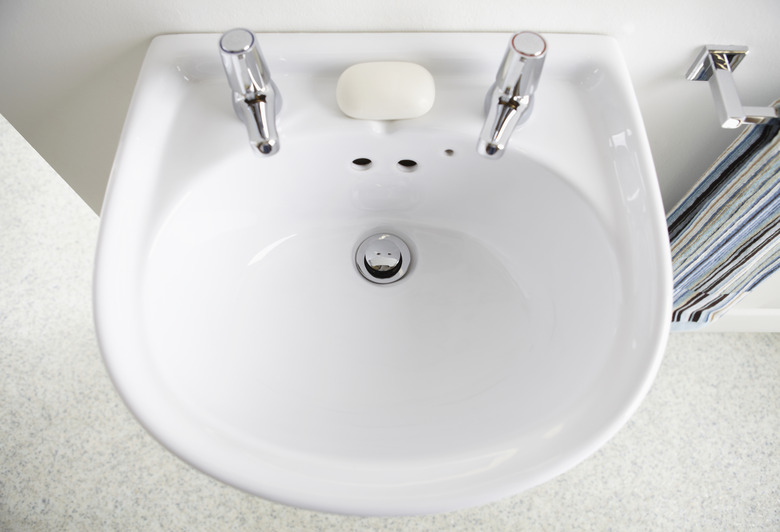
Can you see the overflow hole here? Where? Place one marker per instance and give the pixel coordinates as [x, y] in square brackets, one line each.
[407, 165]
[361, 163]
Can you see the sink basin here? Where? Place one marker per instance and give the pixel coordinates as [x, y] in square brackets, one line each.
[235, 323]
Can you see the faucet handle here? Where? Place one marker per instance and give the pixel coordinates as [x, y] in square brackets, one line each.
[522, 65]
[244, 64]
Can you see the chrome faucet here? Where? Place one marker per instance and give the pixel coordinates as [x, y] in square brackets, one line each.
[256, 99]
[510, 99]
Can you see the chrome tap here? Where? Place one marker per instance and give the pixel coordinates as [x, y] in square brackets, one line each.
[510, 99]
[256, 99]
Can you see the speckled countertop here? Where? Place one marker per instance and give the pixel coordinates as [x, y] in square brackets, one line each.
[702, 452]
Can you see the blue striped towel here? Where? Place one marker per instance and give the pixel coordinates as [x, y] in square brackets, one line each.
[725, 234]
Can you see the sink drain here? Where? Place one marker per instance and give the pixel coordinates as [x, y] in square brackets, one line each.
[383, 258]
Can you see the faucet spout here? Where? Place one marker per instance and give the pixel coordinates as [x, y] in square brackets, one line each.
[256, 99]
[510, 99]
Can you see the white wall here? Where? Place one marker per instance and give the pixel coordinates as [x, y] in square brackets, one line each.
[68, 68]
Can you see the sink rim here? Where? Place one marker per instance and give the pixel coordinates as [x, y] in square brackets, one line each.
[289, 484]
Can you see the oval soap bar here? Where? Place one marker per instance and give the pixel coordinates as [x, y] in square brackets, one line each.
[385, 90]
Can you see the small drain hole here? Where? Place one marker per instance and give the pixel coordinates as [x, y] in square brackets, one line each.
[449, 153]
[361, 163]
[407, 165]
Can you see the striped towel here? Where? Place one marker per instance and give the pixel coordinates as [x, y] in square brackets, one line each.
[725, 234]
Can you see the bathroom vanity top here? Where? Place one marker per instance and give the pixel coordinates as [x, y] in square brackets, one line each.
[701, 451]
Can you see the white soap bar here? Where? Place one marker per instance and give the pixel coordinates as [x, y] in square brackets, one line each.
[385, 90]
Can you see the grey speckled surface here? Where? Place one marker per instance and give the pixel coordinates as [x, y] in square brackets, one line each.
[702, 452]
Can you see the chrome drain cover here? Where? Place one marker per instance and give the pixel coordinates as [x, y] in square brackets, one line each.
[383, 258]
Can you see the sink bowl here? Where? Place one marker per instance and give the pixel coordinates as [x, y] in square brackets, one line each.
[236, 326]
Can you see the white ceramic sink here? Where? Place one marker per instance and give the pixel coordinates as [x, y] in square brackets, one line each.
[237, 328]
